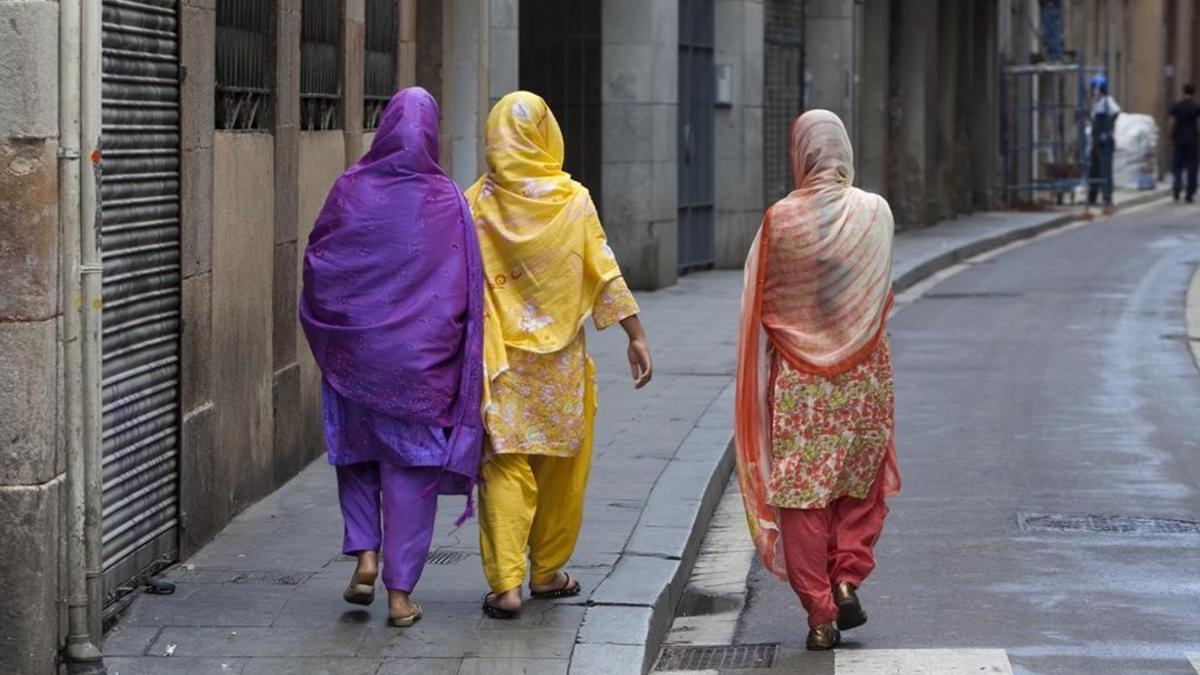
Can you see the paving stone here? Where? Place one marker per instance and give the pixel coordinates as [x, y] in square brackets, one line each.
[404, 666]
[211, 605]
[616, 625]
[474, 666]
[313, 666]
[126, 640]
[175, 665]
[290, 641]
[603, 659]
[422, 641]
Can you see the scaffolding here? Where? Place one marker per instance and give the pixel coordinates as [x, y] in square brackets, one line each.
[1044, 131]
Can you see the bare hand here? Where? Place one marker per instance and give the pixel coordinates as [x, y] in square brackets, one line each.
[639, 362]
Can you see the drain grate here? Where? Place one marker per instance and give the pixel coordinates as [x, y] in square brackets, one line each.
[1058, 522]
[216, 575]
[272, 578]
[715, 657]
[444, 557]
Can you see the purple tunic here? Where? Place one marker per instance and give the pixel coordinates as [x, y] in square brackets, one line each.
[392, 305]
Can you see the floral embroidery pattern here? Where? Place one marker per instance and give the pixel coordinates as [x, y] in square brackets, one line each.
[538, 403]
[829, 435]
[532, 320]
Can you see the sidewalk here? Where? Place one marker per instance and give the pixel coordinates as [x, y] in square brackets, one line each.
[265, 595]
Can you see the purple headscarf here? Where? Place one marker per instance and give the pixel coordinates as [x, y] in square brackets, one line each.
[392, 303]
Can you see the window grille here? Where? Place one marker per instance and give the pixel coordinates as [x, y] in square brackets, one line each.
[559, 58]
[243, 64]
[783, 92]
[320, 83]
[379, 62]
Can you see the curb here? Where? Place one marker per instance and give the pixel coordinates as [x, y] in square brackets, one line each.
[630, 613]
[969, 250]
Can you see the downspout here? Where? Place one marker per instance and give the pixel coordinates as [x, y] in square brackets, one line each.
[90, 270]
[82, 653]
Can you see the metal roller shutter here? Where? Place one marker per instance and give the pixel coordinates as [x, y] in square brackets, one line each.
[140, 248]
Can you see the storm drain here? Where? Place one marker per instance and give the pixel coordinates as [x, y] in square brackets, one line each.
[212, 575]
[1058, 522]
[444, 557]
[272, 578]
[715, 657]
[432, 558]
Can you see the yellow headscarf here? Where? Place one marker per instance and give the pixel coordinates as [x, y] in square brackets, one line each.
[545, 255]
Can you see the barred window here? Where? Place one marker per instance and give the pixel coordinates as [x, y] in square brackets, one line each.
[783, 92]
[243, 96]
[320, 81]
[379, 62]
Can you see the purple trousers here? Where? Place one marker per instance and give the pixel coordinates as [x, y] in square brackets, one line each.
[371, 490]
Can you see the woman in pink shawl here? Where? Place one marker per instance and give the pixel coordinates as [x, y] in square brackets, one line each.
[814, 404]
[393, 310]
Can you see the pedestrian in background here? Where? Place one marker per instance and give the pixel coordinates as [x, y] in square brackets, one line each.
[393, 310]
[1104, 124]
[1183, 119]
[814, 401]
[547, 268]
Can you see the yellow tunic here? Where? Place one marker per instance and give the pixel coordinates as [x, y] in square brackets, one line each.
[538, 405]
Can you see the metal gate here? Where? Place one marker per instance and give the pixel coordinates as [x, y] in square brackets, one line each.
[559, 59]
[696, 123]
[783, 92]
[139, 243]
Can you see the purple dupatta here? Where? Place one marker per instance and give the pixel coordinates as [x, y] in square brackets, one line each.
[392, 304]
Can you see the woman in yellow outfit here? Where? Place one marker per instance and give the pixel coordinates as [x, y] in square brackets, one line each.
[548, 268]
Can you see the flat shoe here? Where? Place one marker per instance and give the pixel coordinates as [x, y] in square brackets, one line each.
[406, 621]
[495, 612]
[569, 588]
[850, 611]
[823, 637]
[359, 594]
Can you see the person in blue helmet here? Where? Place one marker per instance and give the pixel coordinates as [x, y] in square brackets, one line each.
[1104, 122]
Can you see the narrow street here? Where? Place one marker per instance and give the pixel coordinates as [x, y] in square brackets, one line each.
[1047, 434]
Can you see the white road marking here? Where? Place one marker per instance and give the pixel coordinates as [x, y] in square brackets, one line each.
[1193, 317]
[922, 662]
[1195, 661]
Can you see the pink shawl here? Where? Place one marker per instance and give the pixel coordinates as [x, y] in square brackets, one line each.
[818, 290]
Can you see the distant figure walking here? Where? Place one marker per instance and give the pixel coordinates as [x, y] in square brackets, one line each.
[1184, 122]
[814, 404]
[393, 310]
[1104, 124]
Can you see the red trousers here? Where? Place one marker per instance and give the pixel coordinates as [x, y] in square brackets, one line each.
[823, 547]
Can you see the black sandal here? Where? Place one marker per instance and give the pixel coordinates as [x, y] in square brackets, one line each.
[495, 612]
[569, 588]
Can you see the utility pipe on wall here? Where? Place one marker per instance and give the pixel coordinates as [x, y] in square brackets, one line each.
[82, 653]
[90, 59]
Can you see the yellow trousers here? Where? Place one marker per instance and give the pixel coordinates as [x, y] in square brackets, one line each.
[534, 504]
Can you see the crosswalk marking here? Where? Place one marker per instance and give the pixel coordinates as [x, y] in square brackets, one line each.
[922, 662]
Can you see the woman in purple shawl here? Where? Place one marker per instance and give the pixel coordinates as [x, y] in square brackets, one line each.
[393, 310]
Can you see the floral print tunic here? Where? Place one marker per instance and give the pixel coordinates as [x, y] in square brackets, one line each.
[829, 434]
[538, 404]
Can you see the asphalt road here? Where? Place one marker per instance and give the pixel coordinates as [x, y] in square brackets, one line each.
[1051, 379]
